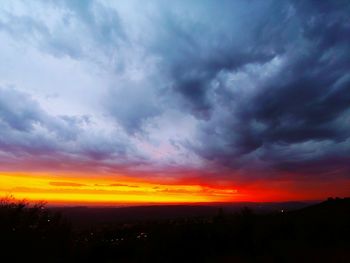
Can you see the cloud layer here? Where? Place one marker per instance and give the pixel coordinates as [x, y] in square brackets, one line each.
[234, 90]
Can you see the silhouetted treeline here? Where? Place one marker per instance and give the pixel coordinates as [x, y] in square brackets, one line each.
[319, 233]
[32, 232]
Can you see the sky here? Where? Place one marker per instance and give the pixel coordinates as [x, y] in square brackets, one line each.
[174, 101]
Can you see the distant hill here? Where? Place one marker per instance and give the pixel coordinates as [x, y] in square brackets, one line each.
[330, 207]
[242, 232]
[82, 215]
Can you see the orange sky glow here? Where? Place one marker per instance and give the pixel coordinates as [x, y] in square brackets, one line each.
[94, 190]
[76, 189]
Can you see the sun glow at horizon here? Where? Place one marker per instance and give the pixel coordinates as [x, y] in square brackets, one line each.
[78, 190]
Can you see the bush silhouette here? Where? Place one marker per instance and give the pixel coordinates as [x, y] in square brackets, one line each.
[32, 231]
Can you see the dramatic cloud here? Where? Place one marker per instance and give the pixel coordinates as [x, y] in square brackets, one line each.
[233, 90]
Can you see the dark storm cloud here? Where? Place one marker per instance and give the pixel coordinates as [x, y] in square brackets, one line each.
[218, 38]
[307, 101]
[259, 85]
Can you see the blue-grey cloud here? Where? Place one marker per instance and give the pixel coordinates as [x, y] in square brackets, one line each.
[256, 85]
[29, 133]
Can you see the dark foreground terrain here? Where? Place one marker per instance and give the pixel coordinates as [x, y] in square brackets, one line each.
[288, 232]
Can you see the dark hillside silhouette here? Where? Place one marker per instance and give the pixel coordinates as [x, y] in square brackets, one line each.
[82, 216]
[318, 233]
[32, 232]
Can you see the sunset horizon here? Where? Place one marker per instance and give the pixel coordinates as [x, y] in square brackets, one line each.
[115, 190]
[183, 102]
[171, 131]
